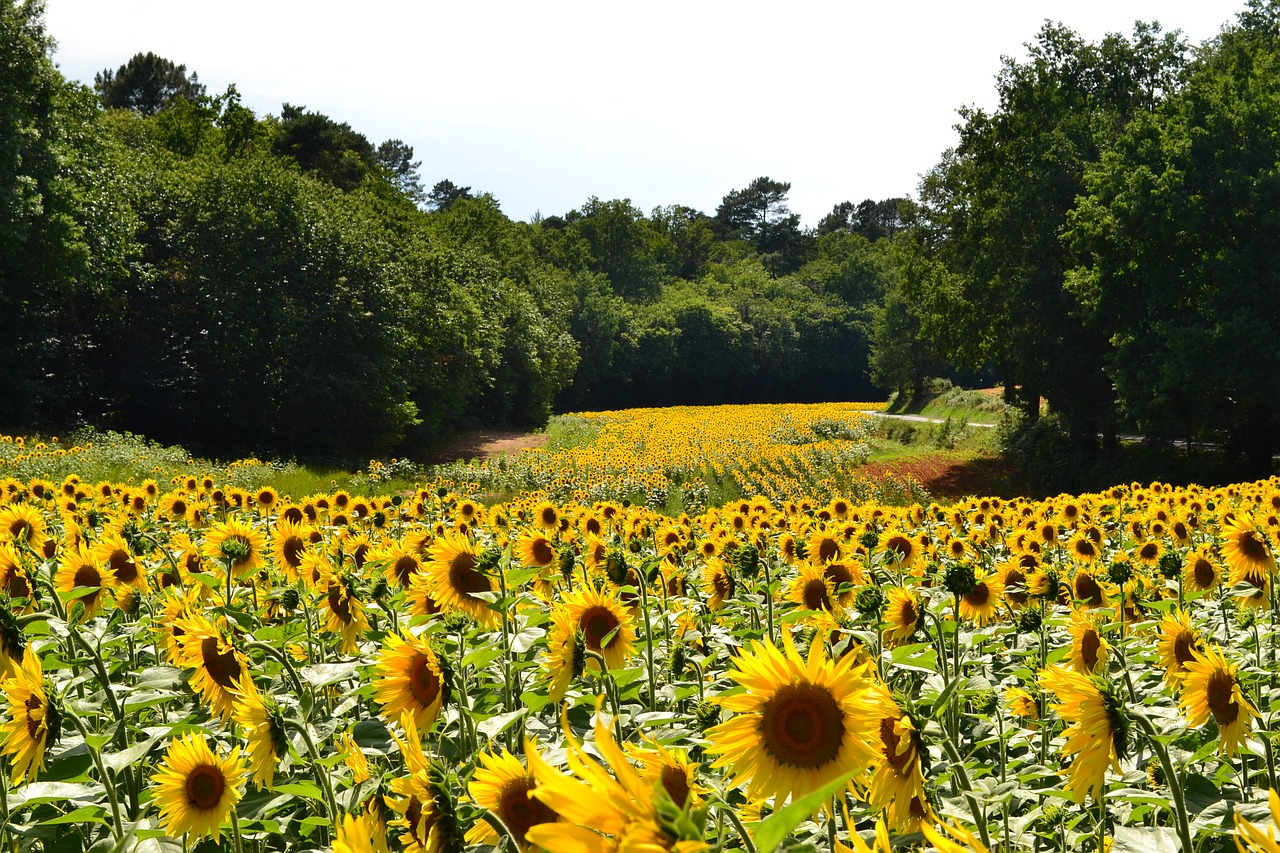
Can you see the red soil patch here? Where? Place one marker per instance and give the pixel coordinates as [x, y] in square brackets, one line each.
[486, 444]
[948, 476]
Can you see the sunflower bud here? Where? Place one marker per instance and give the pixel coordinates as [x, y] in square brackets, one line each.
[290, 598]
[869, 600]
[1119, 572]
[1029, 621]
[869, 539]
[746, 559]
[959, 579]
[677, 660]
[380, 589]
[489, 559]
[706, 715]
[1050, 816]
[12, 643]
[984, 703]
[566, 565]
[615, 567]
[1170, 565]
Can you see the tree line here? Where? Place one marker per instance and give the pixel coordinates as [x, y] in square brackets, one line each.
[174, 264]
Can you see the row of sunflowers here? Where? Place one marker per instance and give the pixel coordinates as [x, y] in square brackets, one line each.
[191, 664]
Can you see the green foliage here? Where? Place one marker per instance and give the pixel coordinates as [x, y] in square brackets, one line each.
[147, 84]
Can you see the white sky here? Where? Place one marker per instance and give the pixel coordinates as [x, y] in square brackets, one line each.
[546, 104]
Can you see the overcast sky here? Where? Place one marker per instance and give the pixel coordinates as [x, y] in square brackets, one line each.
[546, 104]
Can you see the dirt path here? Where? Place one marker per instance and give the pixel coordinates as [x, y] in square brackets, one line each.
[950, 476]
[486, 444]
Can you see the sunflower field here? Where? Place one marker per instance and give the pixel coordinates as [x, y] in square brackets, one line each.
[187, 665]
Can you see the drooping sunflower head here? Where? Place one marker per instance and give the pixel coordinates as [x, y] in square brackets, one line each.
[196, 789]
[35, 719]
[1178, 643]
[717, 583]
[215, 663]
[1089, 649]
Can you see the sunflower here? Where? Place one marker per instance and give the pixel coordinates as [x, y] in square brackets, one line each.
[399, 563]
[423, 799]
[1199, 573]
[1023, 703]
[822, 547]
[353, 756]
[902, 614]
[14, 581]
[899, 548]
[844, 577]
[355, 835]
[343, 611]
[717, 583]
[566, 657]
[546, 516]
[1210, 688]
[1082, 547]
[288, 546]
[534, 550]
[898, 781]
[216, 664]
[196, 789]
[238, 542]
[672, 769]
[78, 570]
[604, 623]
[263, 723]
[1089, 650]
[1097, 729]
[599, 811]
[1178, 643]
[813, 590]
[1245, 550]
[412, 680]
[981, 603]
[798, 725]
[23, 523]
[34, 723]
[453, 577]
[504, 787]
[1087, 589]
[112, 551]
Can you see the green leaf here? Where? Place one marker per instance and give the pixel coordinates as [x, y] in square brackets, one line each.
[322, 674]
[497, 724]
[302, 789]
[52, 792]
[84, 814]
[1145, 839]
[771, 831]
[132, 755]
[526, 639]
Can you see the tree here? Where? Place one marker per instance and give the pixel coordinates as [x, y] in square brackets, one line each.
[396, 159]
[1178, 226]
[147, 84]
[874, 220]
[445, 193]
[759, 215]
[1002, 202]
[328, 148]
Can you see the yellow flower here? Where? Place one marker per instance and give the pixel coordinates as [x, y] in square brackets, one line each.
[1210, 688]
[1251, 838]
[1089, 650]
[1177, 646]
[898, 782]
[411, 680]
[216, 663]
[238, 541]
[353, 756]
[902, 614]
[453, 578]
[33, 725]
[504, 787]
[264, 729]
[1096, 728]
[1245, 550]
[799, 724]
[78, 569]
[982, 603]
[196, 789]
[604, 624]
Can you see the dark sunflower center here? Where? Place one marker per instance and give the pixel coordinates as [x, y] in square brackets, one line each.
[722, 584]
[900, 546]
[909, 616]
[205, 785]
[424, 684]
[828, 549]
[291, 550]
[518, 810]
[890, 740]
[1016, 578]
[1088, 590]
[597, 622]
[359, 553]
[404, 569]
[15, 583]
[463, 576]
[1219, 695]
[838, 574]
[179, 508]
[1149, 551]
[1203, 573]
[1089, 645]
[676, 781]
[1085, 549]
[21, 528]
[540, 550]
[123, 565]
[339, 602]
[815, 595]
[35, 721]
[802, 725]
[1183, 645]
[88, 576]
[979, 595]
[1251, 546]
[222, 667]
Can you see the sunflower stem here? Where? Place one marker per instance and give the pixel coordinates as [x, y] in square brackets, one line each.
[330, 802]
[1174, 780]
[962, 775]
[117, 826]
[648, 636]
[831, 827]
[288, 668]
[102, 674]
[727, 810]
[235, 830]
[499, 827]
[768, 597]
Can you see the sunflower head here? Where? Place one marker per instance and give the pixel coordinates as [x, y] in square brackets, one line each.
[196, 788]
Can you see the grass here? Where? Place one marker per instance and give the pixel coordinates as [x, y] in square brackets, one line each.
[943, 401]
